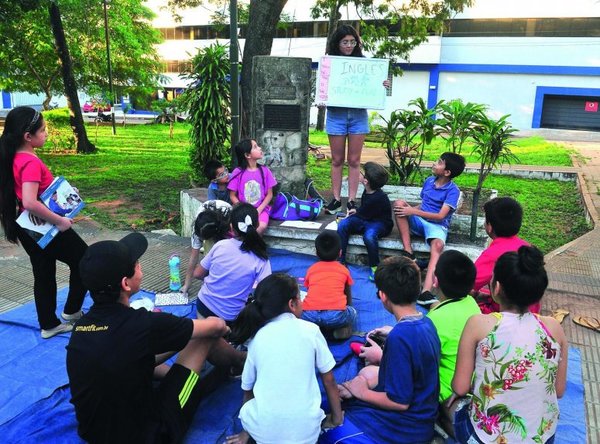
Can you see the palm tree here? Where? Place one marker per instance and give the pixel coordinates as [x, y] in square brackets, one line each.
[492, 145]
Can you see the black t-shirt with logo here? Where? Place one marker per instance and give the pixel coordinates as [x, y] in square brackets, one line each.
[110, 362]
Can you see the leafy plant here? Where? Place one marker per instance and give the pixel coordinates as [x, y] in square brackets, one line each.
[456, 122]
[492, 145]
[207, 101]
[405, 136]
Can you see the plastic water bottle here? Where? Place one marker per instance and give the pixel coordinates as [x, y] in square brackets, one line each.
[174, 279]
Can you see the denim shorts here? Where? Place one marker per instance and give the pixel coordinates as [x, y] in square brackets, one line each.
[330, 318]
[463, 427]
[428, 230]
[343, 121]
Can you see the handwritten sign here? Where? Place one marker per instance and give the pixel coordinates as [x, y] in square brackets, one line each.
[352, 82]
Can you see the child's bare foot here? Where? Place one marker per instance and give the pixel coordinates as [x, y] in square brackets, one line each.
[344, 392]
[240, 438]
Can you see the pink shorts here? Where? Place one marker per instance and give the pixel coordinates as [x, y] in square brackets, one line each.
[264, 216]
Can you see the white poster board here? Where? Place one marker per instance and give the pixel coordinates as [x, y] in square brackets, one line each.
[352, 82]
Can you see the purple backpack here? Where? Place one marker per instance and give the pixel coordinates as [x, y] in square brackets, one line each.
[288, 207]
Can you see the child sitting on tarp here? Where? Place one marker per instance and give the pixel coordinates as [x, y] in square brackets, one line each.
[328, 301]
[397, 401]
[503, 217]
[453, 278]
[211, 225]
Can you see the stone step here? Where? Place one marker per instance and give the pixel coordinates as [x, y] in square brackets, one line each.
[301, 240]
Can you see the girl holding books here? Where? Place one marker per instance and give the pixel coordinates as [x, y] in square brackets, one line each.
[282, 400]
[23, 178]
[252, 183]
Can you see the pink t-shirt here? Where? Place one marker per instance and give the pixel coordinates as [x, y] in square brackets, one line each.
[485, 268]
[486, 262]
[251, 186]
[28, 167]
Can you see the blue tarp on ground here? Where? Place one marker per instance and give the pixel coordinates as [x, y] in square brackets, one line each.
[34, 400]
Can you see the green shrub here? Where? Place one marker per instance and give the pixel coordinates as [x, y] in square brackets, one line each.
[60, 134]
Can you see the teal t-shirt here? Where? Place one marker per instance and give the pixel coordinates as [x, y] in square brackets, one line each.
[449, 319]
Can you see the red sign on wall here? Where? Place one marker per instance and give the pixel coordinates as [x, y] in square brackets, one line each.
[591, 107]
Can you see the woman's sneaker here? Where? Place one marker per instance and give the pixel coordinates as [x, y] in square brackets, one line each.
[72, 318]
[333, 206]
[60, 328]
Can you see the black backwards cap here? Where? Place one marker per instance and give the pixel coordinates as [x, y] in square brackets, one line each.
[106, 263]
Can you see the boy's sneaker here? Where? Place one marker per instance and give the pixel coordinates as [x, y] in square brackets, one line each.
[372, 274]
[333, 206]
[407, 254]
[422, 263]
[426, 299]
[60, 328]
[71, 318]
[351, 205]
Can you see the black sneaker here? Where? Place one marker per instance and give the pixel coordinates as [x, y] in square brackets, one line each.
[351, 205]
[422, 263]
[407, 254]
[426, 299]
[333, 206]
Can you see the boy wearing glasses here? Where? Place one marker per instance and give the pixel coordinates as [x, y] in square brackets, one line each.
[373, 219]
[218, 175]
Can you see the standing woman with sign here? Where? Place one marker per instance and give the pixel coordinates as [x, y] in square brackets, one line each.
[345, 123]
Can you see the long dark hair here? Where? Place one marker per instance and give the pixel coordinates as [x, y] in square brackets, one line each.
[20, 120]
[333, 47]
[242, 148]
[271, 298]
[522, 276]
[251, 240]
[212, 223]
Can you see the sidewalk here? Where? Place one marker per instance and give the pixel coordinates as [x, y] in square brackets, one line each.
[574, 272]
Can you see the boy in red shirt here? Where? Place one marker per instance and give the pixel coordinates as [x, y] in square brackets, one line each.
[328, 302]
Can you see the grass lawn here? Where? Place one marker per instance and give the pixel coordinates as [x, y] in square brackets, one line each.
[135, 179]
[530, 150]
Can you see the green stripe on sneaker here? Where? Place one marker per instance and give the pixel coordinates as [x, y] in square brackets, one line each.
[189, 385]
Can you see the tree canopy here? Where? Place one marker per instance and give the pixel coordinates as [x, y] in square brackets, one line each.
[28, 60]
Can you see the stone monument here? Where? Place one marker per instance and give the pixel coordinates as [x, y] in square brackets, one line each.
[280, 116]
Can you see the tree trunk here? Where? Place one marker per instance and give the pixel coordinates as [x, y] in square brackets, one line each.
[83, 143]
[334, 18]
[263, 19]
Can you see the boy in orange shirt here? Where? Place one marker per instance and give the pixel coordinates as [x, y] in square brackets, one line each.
[328, 301]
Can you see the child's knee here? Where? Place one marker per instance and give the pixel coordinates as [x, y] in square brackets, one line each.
[400, 203]
[437, 246]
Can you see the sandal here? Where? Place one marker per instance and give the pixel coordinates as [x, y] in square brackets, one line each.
[587, 322]
[560, 314]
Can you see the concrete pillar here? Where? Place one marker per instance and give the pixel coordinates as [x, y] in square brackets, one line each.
[279, 116]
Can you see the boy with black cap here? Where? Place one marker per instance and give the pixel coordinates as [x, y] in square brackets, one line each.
[114, 349]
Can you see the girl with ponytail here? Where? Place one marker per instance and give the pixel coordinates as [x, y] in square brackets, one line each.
[512, 363]
[23, 178]
[281, 393]
[232, 267]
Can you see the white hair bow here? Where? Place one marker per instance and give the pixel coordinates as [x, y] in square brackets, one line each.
[243, 226]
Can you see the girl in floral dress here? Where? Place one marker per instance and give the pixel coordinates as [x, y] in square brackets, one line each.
[512, 365]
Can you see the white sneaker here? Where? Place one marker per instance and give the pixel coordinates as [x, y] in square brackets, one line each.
[71, 318]
[60, 328]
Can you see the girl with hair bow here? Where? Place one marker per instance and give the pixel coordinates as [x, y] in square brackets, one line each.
[233, 267]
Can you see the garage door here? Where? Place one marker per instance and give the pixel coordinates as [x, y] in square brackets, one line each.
[571, 112]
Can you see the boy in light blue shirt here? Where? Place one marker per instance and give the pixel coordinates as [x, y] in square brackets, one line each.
[431, 218]
[218, 175]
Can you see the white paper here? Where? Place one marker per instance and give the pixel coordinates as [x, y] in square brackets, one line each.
[332, 225]
[301, 224]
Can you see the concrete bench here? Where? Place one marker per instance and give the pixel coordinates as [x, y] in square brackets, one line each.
[301, 240]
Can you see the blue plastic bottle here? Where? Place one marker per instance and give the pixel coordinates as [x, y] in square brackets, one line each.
[174, 279]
